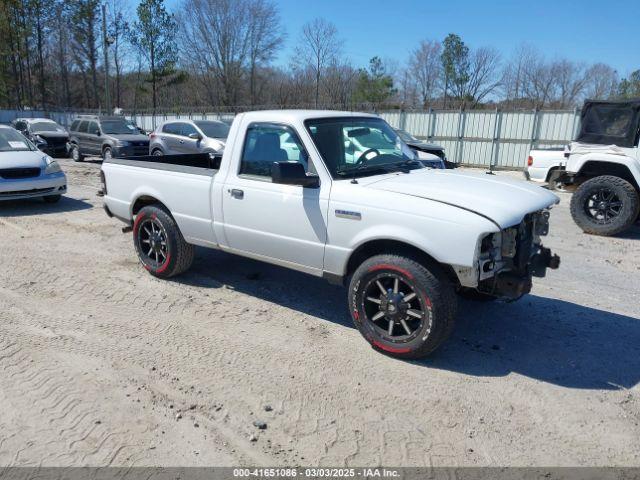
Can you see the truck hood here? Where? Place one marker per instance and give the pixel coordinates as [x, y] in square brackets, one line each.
[26, 159]
[504, 201]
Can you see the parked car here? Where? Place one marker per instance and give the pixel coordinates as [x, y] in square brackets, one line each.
[107, 137]
[426, 151]
[405, 238]
[188, 136]
[546, 166]
[46, 134]
[25, 171]
[603, 167]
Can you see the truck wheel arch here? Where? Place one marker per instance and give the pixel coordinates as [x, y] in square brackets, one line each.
[596, 168]
[144, 200]
[381, 246]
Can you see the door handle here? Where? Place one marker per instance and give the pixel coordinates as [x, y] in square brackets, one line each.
[181, 141]
[236, 193]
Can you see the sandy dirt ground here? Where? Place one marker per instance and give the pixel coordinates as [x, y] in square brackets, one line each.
[102, 364]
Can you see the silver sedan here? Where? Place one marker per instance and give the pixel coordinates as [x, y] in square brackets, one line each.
[26, 172]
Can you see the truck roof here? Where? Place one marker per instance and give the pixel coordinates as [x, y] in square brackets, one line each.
[297, 115]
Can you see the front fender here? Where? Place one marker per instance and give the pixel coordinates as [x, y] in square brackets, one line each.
[577, 163]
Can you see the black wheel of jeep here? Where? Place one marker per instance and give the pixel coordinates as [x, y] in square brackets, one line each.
[401, 307]
[605, 205]
[76, 156]
[107, 154]
[159, 244]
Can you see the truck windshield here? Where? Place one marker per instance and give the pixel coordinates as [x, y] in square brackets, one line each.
[118, 127]
[214, 129]
[13, 141]
[352, 146]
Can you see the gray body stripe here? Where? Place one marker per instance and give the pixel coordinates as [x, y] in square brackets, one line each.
[208, 172]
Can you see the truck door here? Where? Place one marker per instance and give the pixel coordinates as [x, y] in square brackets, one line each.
[286, 223]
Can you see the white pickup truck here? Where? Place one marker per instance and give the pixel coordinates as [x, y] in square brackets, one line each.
[546, 166]
[404, 238]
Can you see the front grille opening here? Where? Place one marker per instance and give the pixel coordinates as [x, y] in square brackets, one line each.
[16, 173]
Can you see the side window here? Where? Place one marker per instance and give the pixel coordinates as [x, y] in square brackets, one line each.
[83, 126]
[171, 128]
[91, 129]
[187, 129]
[265, 144]
[74, 125]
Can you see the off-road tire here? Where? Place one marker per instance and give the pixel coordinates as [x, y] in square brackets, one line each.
[622, 189]
[75, 154]
[179, 254]
[433, 291]
[52, 198]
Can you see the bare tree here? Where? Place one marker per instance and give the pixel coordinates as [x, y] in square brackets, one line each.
[339, 83]
[265, 37]
[319, 47]
[484, 76]
[118, 31]
[514, 76]
[226, 39]
[570, 82]
[426, 67]
[601, 81]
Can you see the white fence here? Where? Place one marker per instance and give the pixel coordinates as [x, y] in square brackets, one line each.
[477, 137]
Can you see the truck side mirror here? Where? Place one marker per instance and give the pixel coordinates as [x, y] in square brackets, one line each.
[293, 173]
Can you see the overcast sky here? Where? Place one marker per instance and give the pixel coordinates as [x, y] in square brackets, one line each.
[589, 31]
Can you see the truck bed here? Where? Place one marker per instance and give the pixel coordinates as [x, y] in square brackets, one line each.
[180, 182]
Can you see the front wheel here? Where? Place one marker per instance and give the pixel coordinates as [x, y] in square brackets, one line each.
[107, 154]
[76, 156]
[605, 205]
[160, 246]
[400, 306]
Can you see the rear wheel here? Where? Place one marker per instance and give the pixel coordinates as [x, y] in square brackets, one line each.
[605, 205]
[159, 244]
[400, 306]
[76, 156]
[553, 180]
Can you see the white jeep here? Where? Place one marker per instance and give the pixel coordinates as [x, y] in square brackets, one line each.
[603, 167]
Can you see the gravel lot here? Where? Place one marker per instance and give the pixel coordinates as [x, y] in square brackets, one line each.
[101, 364]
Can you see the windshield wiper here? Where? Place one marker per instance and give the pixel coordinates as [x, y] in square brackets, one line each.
[404, 166]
